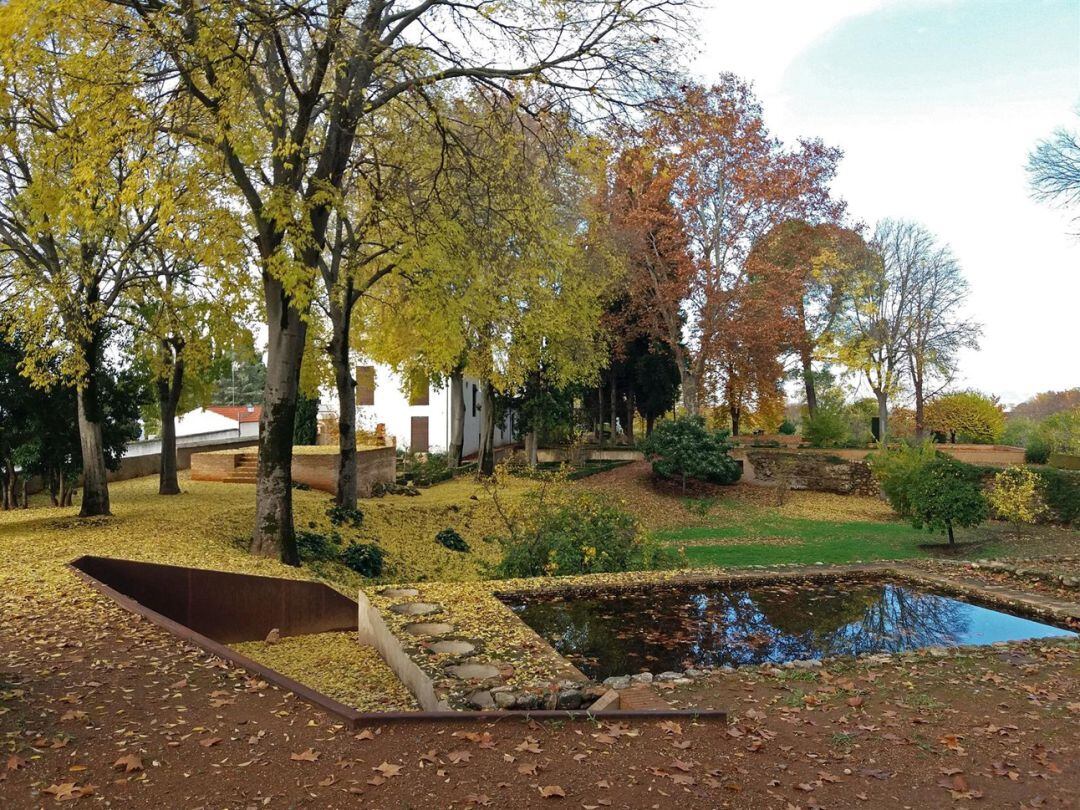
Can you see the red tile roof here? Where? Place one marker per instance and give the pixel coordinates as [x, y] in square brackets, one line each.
[241, 413]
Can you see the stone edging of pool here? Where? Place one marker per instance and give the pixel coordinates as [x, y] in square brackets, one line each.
[467, 649]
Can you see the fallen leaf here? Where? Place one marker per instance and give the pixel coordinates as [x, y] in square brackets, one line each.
[307, 755]
[552, 792]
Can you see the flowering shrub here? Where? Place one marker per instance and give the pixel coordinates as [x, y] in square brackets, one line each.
[1017, 496]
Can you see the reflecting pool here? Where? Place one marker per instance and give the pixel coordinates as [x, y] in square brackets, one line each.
[664, 628]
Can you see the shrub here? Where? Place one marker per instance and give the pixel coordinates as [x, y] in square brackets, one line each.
[1061, 431]
[827, 428]
[1017, 496]
[897, 471]
[1061, 488]
[945, 494]
[787, 428]
[450, 539]
[684, 449]
[1037, 450]
[427, 469]
[316, 546]
[581, 535]
[366, 559]
[968, 416]
[340, 515]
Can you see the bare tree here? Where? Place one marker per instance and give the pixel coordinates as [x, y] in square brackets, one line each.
[1054, 169]
[937, 326]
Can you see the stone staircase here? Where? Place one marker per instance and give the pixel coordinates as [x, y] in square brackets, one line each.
[246, 470]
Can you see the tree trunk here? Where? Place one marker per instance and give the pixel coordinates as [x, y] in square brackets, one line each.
[883, 418]
[340, 320]
[486, 456]
[650, 422]
[630, 412]
[95, 495]
[25, 496]
[168, 401]
[274, 534]
[920, 406]
[600, 412]
[457, 417]
[952, 539]
[531, 448]
[736, 417]
[613, 407]
[808, 383]
[688, 384]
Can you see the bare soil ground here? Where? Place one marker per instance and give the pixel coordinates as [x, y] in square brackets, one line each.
[100, 706]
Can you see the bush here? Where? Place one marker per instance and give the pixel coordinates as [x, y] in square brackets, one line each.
[967, 416]
[582, 535]
[1061, 489]
[1037, 450]
[1017, 496]
[1061, 431]
[316, 546]
[366, 559]
[427, 469]
[340, 515]
[448, 538]
[946, 493]
[684, 448]
[827, 428]
[898, 470]
[787, 428]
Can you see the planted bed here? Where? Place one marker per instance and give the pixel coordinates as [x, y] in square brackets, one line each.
[677, 627]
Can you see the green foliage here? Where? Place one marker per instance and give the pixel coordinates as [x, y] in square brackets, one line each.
[967, 416]
[898, 470]
[826, 428]
[449, 538]
[1017, 496]
[1061, 489]
[306, 426]
[241, 382]
[581, 535]
[1061, 431]
[684, 448]
[342, 515]
[787, 428]
[946, 493]
[425, 469]
[1037, 450]
[366, 559]
[314, 545]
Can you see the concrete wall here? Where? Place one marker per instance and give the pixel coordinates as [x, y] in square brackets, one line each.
[150, 463]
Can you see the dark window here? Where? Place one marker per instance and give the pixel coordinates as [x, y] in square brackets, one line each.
[418, 439]
[475, 407]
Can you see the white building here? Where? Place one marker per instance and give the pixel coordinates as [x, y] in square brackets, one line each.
[420, 419]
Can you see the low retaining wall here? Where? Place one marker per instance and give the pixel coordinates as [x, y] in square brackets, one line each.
[318, 470]
[150, 463]
[547, 455]
[820, 472]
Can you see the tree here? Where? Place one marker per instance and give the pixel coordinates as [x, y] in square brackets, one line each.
[1046, 403]
[731, 183]
[937, 328]
[86, 183]
[1054, 169]
[873, 331]
[1017, 495]
[947, 493]
[684, 449]
[1061, 432]
[815, 265]
[243, 379]
[969, 415]
[284, 90]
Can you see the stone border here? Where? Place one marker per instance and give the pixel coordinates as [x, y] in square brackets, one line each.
[486, 681]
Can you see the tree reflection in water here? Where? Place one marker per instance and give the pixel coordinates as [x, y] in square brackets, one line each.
[666, 628]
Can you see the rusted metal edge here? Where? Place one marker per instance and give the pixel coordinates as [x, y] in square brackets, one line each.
[352, 717]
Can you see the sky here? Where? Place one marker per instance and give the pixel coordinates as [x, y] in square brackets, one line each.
[936, 104]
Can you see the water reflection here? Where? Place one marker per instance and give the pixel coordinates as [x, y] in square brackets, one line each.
[675, 628]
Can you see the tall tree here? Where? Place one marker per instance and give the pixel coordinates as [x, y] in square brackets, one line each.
[1054, 169]
[814, 266]
[732, 183]
[937, 327]
[86, 183]
[285, 88]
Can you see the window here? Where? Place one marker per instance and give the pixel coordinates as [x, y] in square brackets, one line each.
[475, 407]
[418, 438]
[365, 385]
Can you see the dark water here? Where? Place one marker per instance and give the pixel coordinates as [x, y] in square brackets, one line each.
[674, 628]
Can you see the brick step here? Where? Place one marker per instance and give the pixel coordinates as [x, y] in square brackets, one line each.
[239, 479]
[641, 698]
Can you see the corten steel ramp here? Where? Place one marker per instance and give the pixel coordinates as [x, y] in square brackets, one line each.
[214, 608]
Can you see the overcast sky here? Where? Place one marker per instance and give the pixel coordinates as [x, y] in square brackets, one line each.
[936, 104]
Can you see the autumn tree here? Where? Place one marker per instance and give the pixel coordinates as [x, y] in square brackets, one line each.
[284, 89]
[1046, 403]
[967, 415]
[814, 266]
[87, 183]
[731, 183]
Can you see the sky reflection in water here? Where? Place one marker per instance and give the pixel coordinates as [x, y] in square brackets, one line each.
[674, 628]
